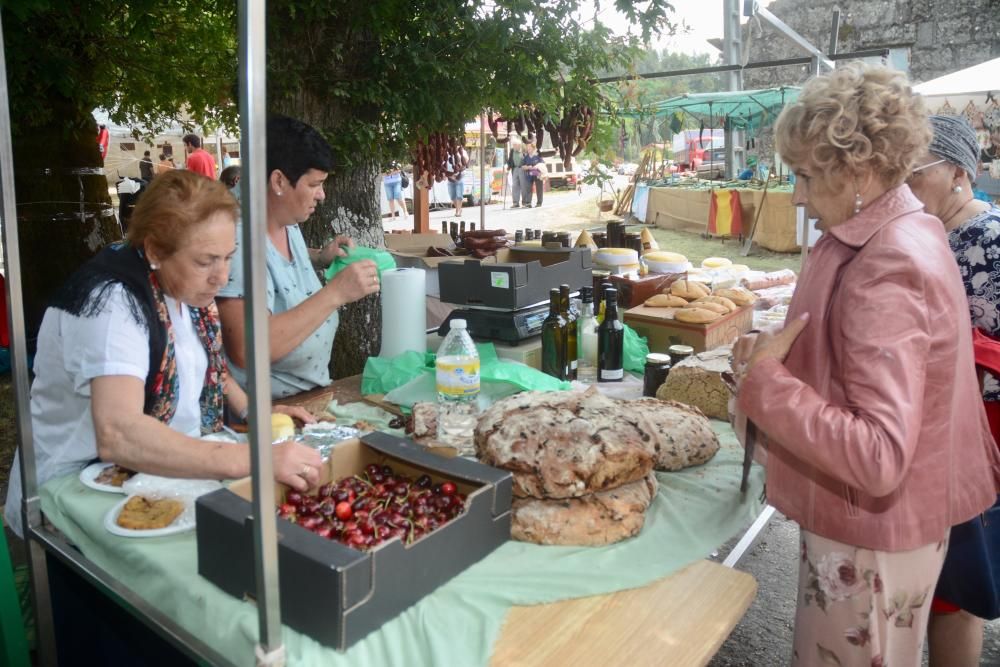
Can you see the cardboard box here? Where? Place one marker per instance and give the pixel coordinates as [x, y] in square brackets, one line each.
[410, 251]
[662, 331]
[336, 594]
[515, 278]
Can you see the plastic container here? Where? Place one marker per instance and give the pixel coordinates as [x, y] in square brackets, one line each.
[457, 368]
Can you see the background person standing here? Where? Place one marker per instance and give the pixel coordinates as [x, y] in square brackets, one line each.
[518, 177]
[146, 167]
[532, 167]
[103, 139]
[199, 160]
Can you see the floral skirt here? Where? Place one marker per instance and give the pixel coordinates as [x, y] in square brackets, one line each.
[863, 607]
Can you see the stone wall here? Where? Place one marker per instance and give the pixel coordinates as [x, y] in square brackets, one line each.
[940, 36]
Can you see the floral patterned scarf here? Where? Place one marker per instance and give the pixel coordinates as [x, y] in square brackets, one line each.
[166, 383]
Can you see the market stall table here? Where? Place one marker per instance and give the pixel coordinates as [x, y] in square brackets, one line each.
[696, 510]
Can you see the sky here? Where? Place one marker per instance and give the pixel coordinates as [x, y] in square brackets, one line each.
[702, 17]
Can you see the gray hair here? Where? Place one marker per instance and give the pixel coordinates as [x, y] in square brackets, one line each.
[955, 141]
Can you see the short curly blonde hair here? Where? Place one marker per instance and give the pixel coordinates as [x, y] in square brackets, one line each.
[855, 119]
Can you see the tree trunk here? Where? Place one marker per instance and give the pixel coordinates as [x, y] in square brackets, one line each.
[64, 212]
[352, 208]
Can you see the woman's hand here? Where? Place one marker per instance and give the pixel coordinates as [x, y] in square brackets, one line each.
[296, 465]
[333, 250]
[295, 412]
[355, 281]
[768, 345]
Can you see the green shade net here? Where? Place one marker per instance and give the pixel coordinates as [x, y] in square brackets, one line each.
[745, 109]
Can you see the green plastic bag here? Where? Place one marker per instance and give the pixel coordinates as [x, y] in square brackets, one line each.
[382, 258]
[634, 351]
[384, 375]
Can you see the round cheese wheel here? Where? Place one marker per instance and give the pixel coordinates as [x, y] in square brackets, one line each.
[616, 257]
[715, 263]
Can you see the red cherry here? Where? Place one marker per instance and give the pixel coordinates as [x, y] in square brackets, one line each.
[286, 509]
[293, 497]
[344, 511]
[324, 531]
[448, 488]
[371, 469]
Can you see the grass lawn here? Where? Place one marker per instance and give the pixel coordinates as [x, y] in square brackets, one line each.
[696, 248]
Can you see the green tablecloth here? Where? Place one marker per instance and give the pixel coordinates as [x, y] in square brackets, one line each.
[696, 511]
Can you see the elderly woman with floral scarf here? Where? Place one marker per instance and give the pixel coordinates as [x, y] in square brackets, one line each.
[130, 368]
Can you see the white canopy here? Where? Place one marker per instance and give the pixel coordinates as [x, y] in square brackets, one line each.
[974, 84]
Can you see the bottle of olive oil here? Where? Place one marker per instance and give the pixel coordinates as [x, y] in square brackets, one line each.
[610, 341]
[554, 339]
[571, 315]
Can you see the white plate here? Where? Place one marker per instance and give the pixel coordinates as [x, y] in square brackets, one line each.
[112, 527]
[90, 473]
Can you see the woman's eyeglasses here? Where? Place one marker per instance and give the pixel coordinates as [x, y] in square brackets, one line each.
[918, 170]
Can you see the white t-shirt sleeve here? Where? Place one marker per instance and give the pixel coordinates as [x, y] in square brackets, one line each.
[110, 343]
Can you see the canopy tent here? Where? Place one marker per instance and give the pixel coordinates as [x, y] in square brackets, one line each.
[978, 86]
[745, 109]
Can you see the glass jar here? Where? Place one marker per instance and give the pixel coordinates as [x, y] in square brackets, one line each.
[655, 373]
[679, 353]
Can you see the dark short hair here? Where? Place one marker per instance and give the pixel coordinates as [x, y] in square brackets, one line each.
[192, 139]
[293, 148]
[146, 153]
[230, 174]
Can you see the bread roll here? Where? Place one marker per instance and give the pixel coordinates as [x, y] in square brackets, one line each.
[665, 301]
[721, 300]
[687, 289]
[696, 315]
[738, 295]
[708, 305]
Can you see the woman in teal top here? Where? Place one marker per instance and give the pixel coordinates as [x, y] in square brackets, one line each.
[303, 320]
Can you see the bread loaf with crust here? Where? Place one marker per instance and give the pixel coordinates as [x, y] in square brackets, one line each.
[697, 381]
[683, 435]
[565, 444]
[694, 315]
[593, 520]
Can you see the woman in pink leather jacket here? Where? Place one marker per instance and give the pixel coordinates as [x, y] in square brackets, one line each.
[868, 401]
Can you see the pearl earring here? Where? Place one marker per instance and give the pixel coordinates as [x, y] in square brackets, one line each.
[154, 266]
[857, 203]
[957, 189]
[280, 193]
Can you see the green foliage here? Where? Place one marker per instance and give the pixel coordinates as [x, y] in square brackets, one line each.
[148, 61]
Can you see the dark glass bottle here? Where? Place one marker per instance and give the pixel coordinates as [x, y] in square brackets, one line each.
[518, 237]
[453, 227]
[601, 302]
[444, 226]
[554, 339]
[610, 341]
[529, 234]
[571, 315]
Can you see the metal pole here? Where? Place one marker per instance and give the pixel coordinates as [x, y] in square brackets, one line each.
[482, 171]
[31, 515]
[732, 48]
[253, 147]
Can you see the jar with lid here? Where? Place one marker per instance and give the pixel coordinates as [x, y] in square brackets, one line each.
[564, 239]
[655, 373]
[518, 237]
[600, 239]
[679, 353]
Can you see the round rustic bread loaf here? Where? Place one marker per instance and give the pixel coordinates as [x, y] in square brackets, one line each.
[696, 315]
[564, 444]
[683, 435]
[592, 520]
[688, 289]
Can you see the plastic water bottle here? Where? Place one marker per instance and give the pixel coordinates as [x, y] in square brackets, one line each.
[457, 388]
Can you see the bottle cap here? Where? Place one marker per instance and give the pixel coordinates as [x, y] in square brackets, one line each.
[457, 324]
[657, 358]
[587, 294]
[681, 349]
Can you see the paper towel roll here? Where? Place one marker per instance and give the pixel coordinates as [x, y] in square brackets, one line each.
[404, 311]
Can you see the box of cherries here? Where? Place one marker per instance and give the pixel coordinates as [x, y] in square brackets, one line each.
[389, 523]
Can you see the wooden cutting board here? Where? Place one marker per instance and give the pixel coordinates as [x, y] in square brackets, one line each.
[680, 620]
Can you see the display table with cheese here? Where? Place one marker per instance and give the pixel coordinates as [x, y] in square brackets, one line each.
[692, 512]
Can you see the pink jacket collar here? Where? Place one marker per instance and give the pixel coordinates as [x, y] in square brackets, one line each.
[860, 228]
